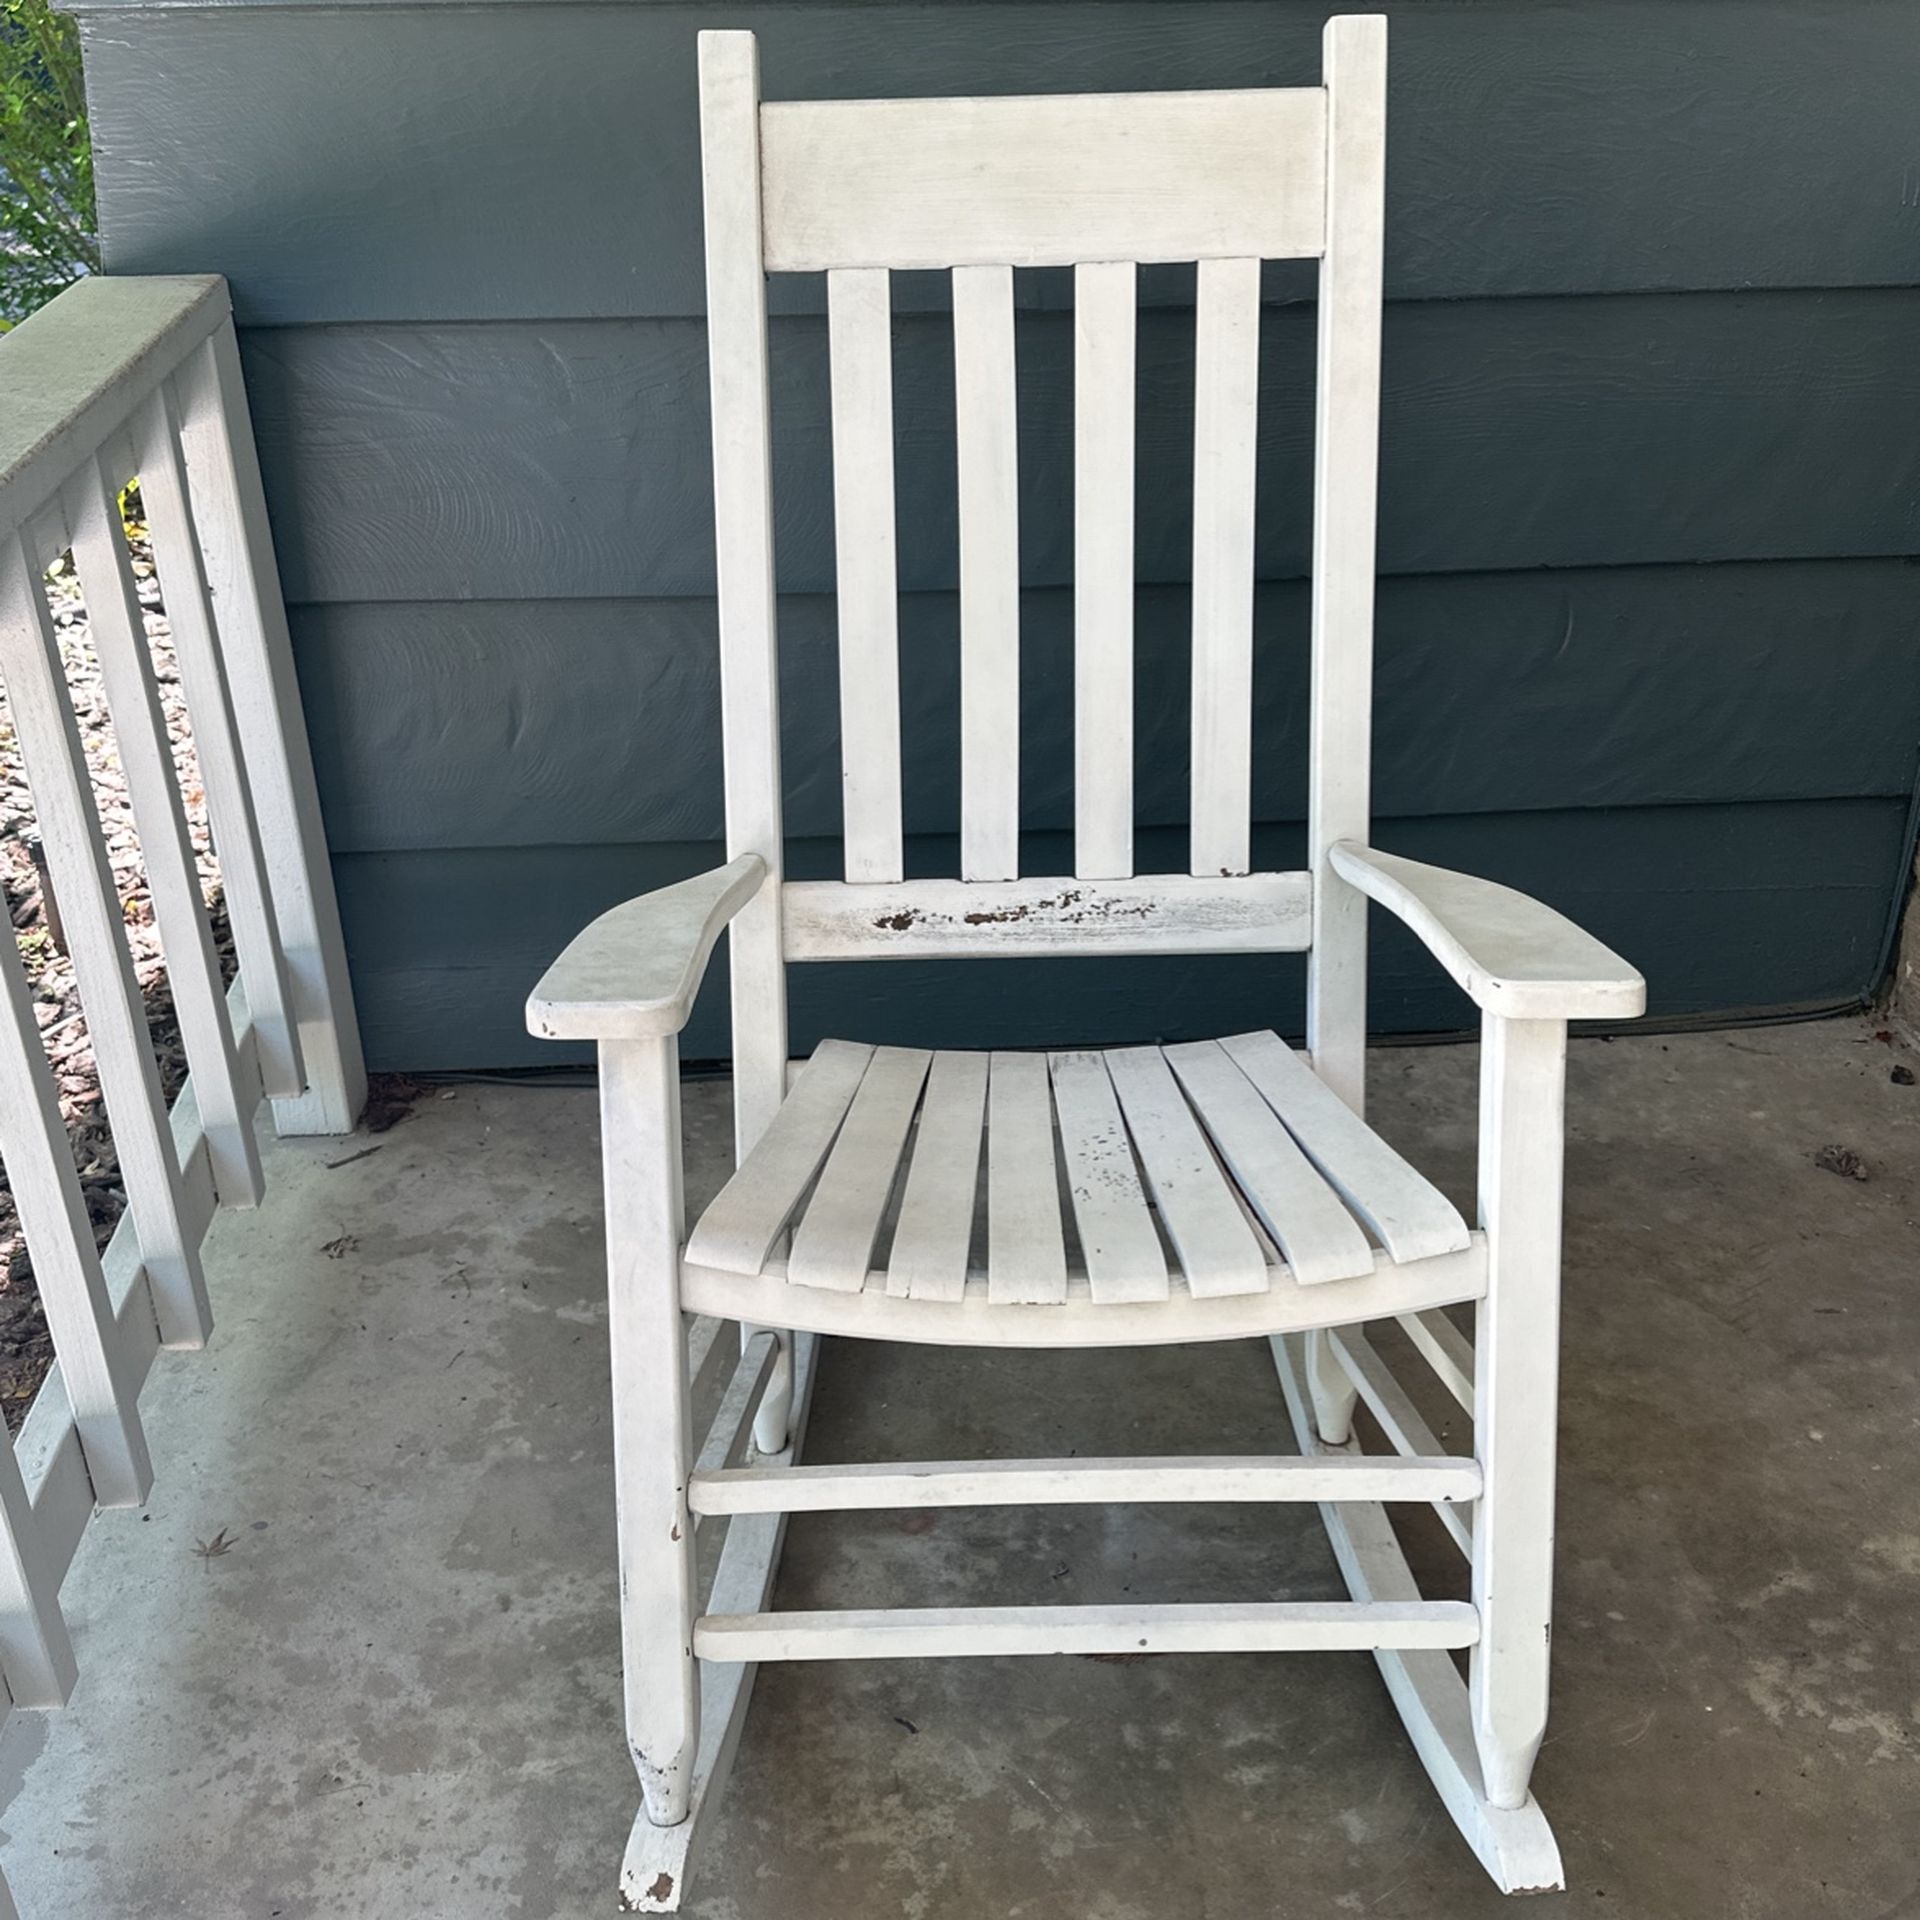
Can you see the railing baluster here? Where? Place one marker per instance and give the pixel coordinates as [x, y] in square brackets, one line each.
[89, 901]
[59, 1235]
[223, 769]
[236, 544]
[36, 1654]
[179, 909]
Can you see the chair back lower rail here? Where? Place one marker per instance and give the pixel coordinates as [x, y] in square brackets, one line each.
[120, 379]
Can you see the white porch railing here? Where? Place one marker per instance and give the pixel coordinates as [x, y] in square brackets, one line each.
[113, 379]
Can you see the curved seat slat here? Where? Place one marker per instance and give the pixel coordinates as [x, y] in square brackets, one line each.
[1124, 1182]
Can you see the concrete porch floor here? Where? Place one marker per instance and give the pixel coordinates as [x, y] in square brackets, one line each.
[397, 1694]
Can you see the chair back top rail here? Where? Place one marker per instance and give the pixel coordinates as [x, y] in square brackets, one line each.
[1044, 180]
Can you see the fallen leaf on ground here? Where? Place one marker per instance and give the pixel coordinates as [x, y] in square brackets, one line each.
[1843, 1161]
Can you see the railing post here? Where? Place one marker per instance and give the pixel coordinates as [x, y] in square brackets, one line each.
[236, 545]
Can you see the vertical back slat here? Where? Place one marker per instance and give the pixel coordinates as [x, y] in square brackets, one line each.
[216, 739]
[1225, 420]
[173, 878]
[59, 1235]
[236, 553]
[743, 545]
[1346, 463]
[860, 341]
[1103, 410]
[986, 433]
[89, 902]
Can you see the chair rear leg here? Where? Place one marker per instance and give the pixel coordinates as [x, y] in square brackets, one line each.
[773, 1421]
[1516, 1370]
[652, 1418]
[1331, 1389]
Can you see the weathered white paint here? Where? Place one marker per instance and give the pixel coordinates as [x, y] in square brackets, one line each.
[653, 1874]
[1346, 436]
[1044, 181]
[971, 919]
[1122, 1251]
[1515, 1845]
[833, 1245]
[632, 974]
[1263, 1174]
[1103, 407]
[1079, 1482]
[749, 1214]
[1217, 1249]
[743, 563]
[1506, 952]
[1516, 1375]
[948, 1633]
[1400, 1420]
[986, 448]
[1446, 1350]
[860, 343]
[934, 1234]
[765, 1298]
[1226, 412]
[1026, 1253]
[1407, 1213]
[652, 1420]
[1301, 1213]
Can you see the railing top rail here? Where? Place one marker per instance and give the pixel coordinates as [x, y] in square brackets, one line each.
[72, 373]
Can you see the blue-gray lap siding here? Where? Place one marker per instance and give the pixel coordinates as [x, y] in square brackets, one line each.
[1650, 487]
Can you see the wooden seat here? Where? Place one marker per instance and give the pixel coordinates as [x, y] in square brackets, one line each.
[1132, 1175]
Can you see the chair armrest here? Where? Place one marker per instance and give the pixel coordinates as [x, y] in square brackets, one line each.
[1510, 955]
[632, 974]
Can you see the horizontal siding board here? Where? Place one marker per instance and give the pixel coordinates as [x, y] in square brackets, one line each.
[1726, 908]
[570, 459]
[1539, 146]
[499, 723]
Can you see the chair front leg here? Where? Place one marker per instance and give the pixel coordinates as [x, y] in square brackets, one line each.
[652, 1420]
[1516, 1375]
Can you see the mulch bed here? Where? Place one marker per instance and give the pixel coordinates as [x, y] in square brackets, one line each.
[26, 1349]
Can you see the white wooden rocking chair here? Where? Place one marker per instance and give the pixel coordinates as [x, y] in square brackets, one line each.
[1218, 1190]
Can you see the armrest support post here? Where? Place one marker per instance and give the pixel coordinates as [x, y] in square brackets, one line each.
[1516, 1367]
[652, 1420]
